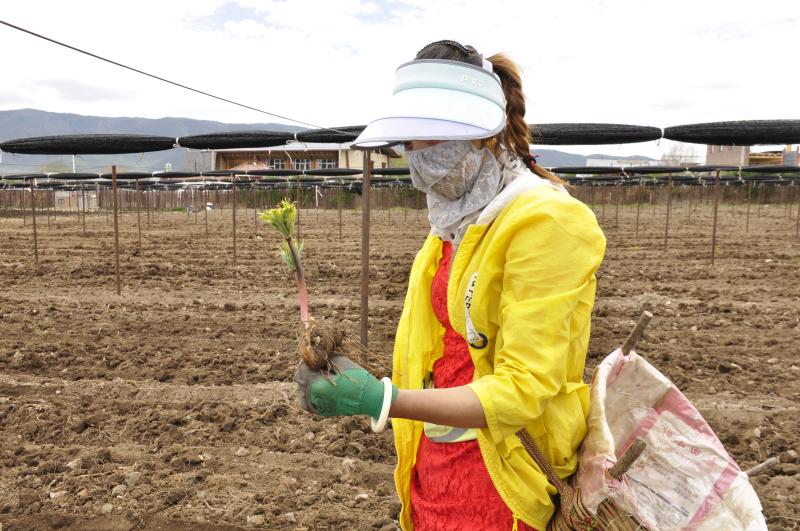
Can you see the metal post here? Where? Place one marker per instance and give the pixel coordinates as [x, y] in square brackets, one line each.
[255, 210]
[48, 209]
[339, 206]
[83, 209]
[638, 206]
[233, 184]
[138, 213]
[714, 229]
[33, 217]
[669, 209]
[205, 208]
[116, 227]
[365, 217]
[604, 199]
[747, 218]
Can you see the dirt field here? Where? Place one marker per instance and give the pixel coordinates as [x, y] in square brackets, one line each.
[172, 407]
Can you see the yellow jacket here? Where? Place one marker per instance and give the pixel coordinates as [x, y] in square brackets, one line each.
[521, 292]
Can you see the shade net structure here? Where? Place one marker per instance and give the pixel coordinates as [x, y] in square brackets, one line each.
[88, 144]
[738, 133]
[235, 139]
[592, 134]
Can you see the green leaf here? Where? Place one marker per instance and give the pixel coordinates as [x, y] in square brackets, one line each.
[286, 254]
[283, 217]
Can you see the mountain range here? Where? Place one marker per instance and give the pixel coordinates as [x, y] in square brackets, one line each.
[24, 123]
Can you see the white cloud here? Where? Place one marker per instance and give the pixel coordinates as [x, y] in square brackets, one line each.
[332, 63]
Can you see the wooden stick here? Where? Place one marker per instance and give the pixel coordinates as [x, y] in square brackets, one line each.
[33, 216]
[233, 183]
[83, 209]
[366, 184]
[339, 207]
[669, 210]
[638, 207]
[714, 226]
[747, 218]
[637, 332]
[138, 213]
[762, 467]
[255, 210]
[116, 228]
[628, 458]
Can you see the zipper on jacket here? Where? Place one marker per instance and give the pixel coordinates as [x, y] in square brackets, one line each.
[515, 526]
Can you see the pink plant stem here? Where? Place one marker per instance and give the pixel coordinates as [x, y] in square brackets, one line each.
[302, 293]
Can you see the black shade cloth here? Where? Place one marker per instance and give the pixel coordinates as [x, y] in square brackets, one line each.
[592, 133]
[87, 144]
[128, 175]
[738, 133]
[772, 169]
[712, 167]
[68, 176]
[24, 176]
[340, 136]
[219, 173]
[236, 139]
[333, 171]
[166, 174]
[391, 171]
[635, 170]
[275, 172]
[586, 169]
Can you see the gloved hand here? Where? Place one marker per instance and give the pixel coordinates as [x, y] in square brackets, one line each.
[356, 391]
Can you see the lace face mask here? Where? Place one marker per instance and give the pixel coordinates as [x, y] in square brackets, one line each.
[459, 180]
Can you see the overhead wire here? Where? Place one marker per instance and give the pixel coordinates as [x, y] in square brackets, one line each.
[159, 78]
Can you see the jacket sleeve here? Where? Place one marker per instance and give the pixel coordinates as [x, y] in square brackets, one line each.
[550, 262]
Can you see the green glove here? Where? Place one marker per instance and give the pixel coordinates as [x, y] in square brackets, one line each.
[354, 391]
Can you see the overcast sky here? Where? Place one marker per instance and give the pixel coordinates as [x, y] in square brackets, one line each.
[332, 62]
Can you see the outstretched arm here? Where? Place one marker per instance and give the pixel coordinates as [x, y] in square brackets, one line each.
[456, 406]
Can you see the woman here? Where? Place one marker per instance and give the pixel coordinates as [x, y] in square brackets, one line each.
[495, 326]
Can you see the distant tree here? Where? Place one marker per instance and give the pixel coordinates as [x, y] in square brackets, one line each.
[680, 155]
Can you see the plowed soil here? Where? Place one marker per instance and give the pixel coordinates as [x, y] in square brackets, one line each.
[171, 406]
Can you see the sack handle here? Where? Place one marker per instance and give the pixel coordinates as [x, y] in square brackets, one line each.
[541, 460]
[566, 494]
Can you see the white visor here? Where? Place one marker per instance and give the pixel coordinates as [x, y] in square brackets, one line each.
[438, 100]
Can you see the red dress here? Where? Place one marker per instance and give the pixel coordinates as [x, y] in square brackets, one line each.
[450, 487]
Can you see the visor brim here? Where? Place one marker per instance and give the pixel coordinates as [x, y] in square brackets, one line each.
[433, 114]
[386, 132]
